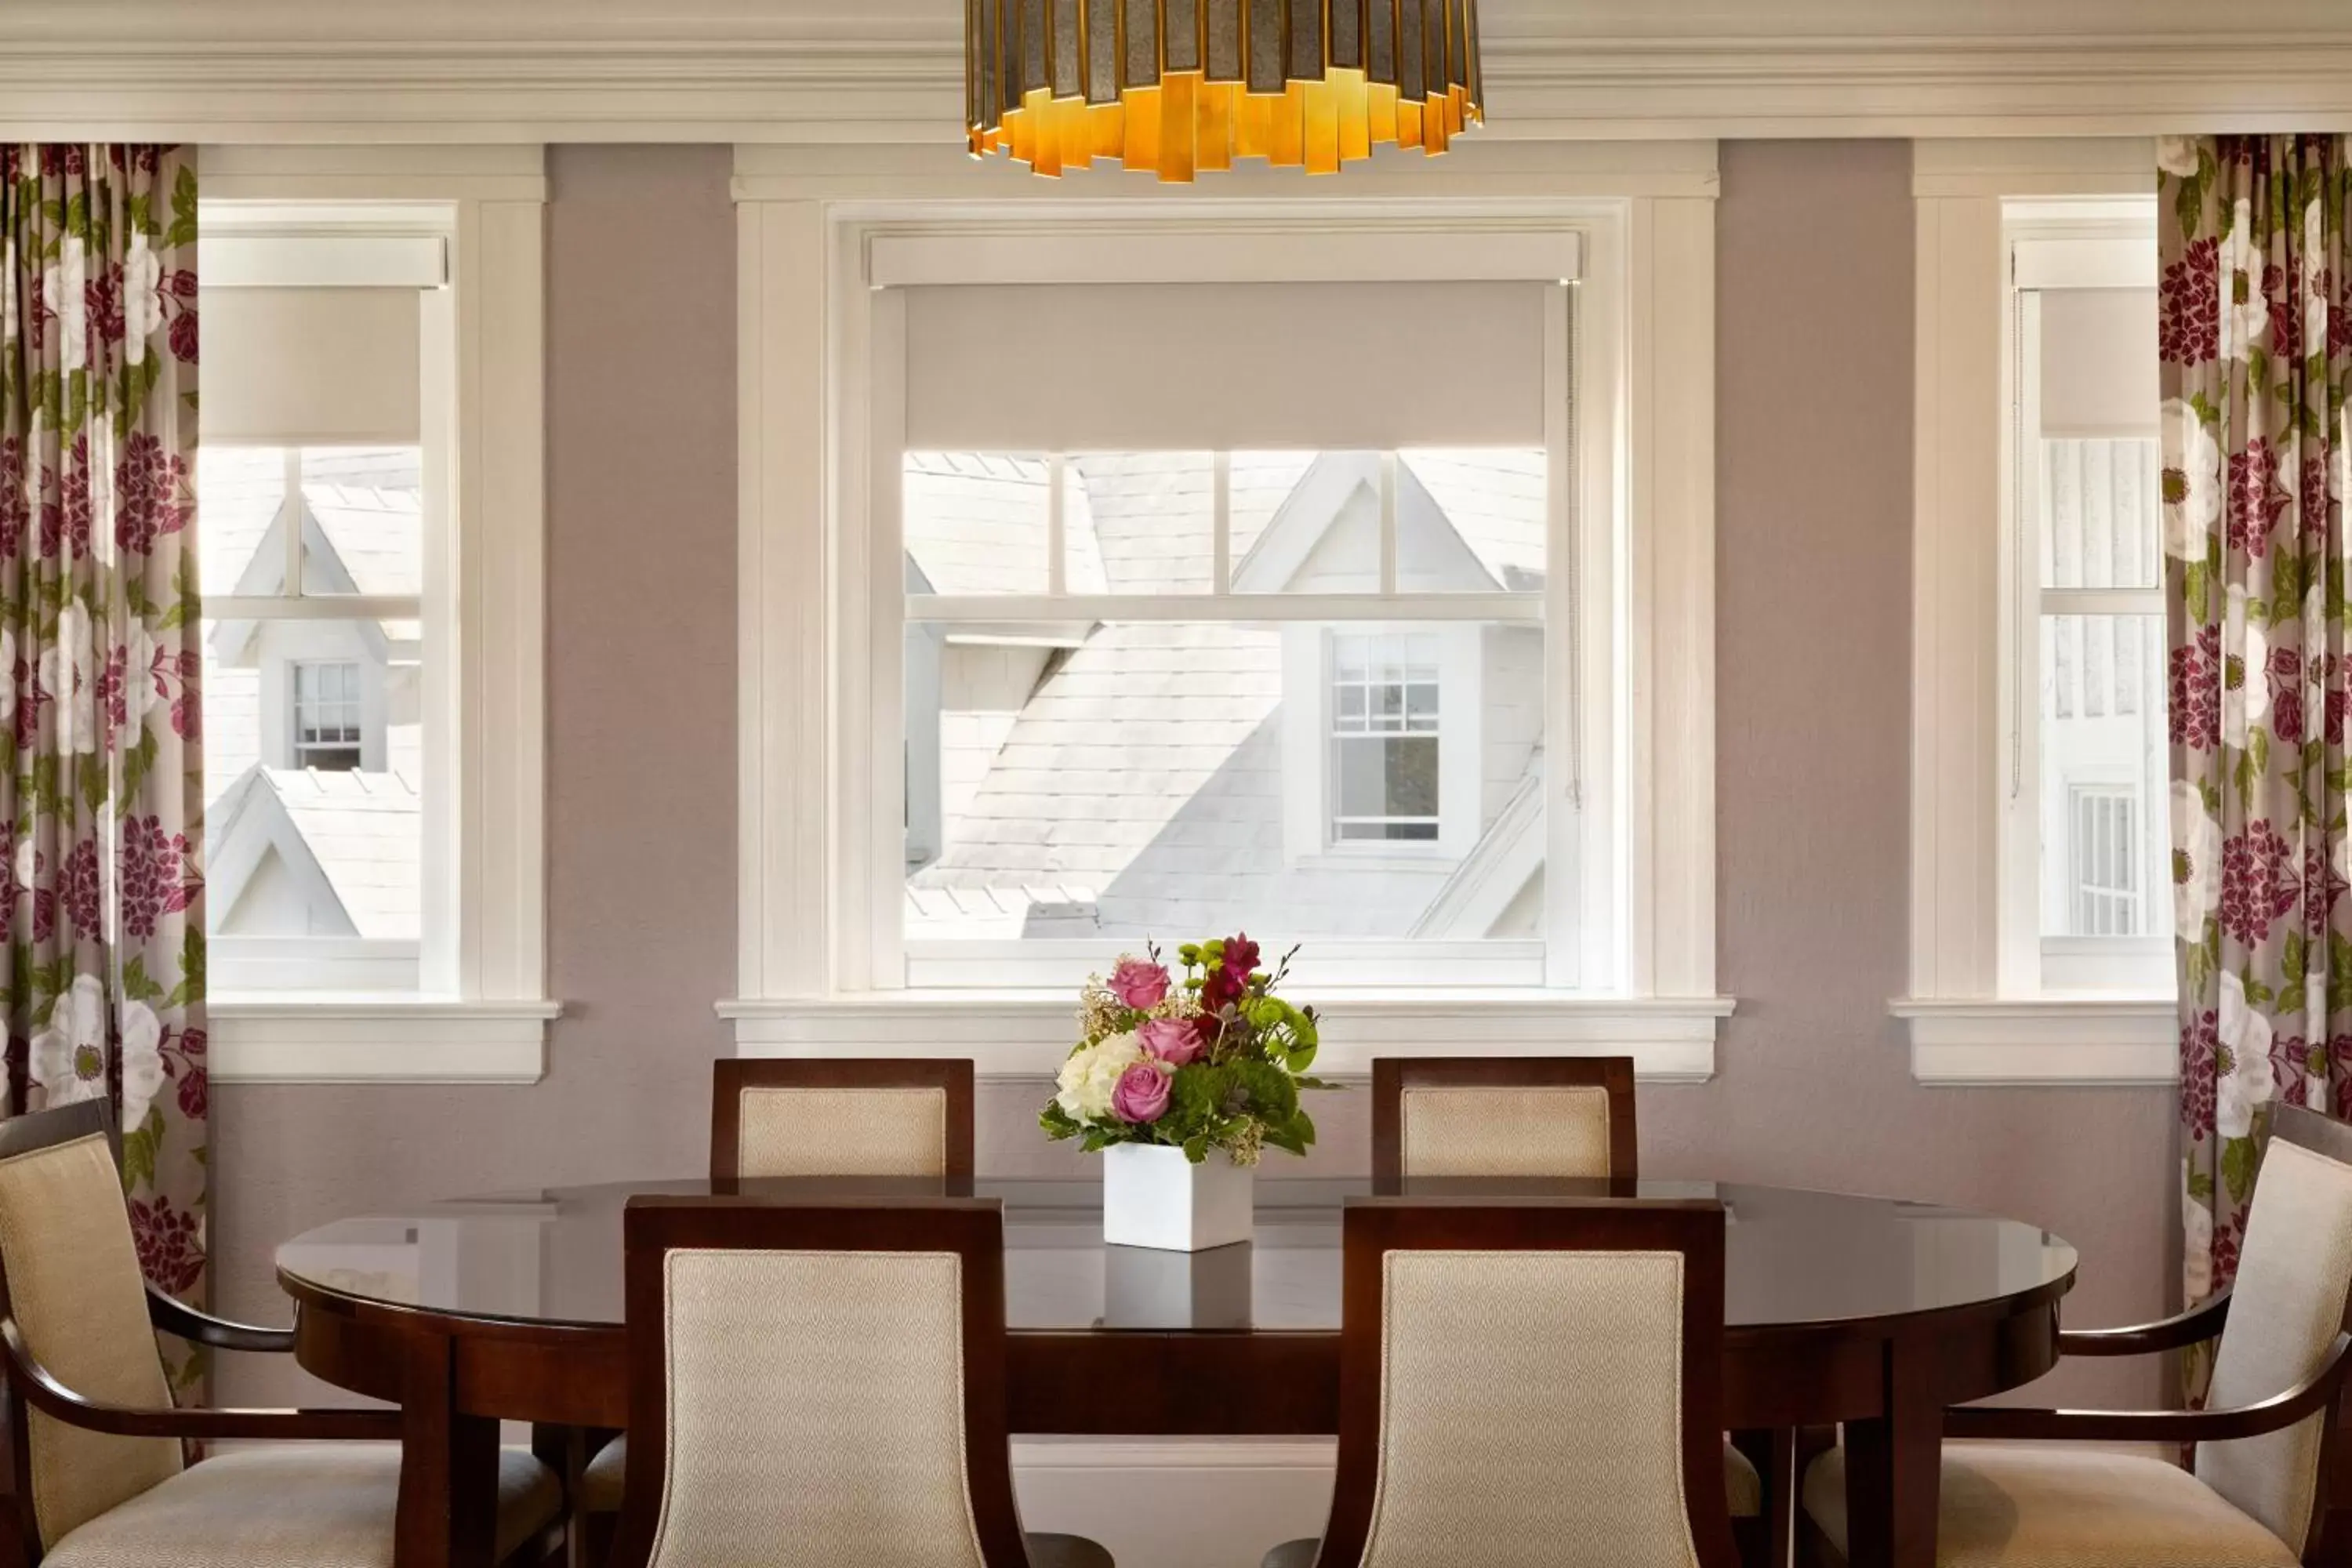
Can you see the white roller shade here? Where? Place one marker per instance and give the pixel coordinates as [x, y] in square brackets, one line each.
[309, 366]
[1114, 367]
[2098, 363]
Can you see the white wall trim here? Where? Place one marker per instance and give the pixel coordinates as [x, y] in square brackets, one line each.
[377, 1040]
[2043, 1043]
[827, 70]
[491, 612]
[808, 219]
[1027, 1035]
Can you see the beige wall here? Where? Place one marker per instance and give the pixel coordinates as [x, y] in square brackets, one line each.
[1814, 491]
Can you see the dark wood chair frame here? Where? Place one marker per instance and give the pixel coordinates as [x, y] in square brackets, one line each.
[1392, 1076]
[732, 1076]
[972, 1228]
[1374, 1228]
[2328, 1537]
[31, 1386]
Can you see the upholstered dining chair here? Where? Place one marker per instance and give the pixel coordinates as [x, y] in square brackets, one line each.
[2266, 1447]
[826, 1375]
[1525, 1384]
[1526, 1116]
[841, 1117]
[836, 1117]
[101, 1478]
[1504, 1116]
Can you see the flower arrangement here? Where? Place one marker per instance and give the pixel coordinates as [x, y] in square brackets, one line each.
[1212, 1060]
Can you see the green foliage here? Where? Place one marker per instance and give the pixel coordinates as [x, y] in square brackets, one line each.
[2239, 1159]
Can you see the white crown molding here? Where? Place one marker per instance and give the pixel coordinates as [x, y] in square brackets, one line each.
[885, 70]
[1027, 1035]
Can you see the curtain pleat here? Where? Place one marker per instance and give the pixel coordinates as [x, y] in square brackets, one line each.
[2255, 342]
[100, 757]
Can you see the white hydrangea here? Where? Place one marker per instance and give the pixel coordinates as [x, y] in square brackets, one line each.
[1091, 1074]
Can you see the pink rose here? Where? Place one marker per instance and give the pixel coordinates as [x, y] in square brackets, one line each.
[1175, 1041]
[1140, 983]
[1141, 1094]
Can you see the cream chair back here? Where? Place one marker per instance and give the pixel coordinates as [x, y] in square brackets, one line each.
[826, 1386]
[73, 1285]
[2295, 1268]
[814, 1117]
[1532, 1387]
[1456, 1116]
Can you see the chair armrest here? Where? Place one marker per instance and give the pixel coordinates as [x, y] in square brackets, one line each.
[2193, 1327]
[2280, 1410]
[41, 1388]
[176, 1317]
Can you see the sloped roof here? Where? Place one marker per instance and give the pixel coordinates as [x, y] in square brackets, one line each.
[368, 501]
[362, 833]
[1140, 791]
[1496, 500]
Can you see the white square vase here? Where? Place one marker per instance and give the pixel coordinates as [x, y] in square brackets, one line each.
[1153, 1197]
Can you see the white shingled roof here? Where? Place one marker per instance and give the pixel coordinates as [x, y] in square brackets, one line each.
[361, 831]
[1139, 790]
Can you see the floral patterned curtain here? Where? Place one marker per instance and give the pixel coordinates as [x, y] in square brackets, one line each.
[100, 764]
[2256, 343]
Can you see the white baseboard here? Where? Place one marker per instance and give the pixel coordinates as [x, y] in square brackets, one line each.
[1176, 1502]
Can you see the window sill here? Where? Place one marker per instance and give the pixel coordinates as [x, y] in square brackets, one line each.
[1025, 1035]
[2045, 1041]
[337, 1038]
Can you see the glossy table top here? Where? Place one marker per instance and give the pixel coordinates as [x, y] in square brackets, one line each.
[1792, 1257]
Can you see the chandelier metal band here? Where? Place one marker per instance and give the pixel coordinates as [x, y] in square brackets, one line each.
[1182, 86]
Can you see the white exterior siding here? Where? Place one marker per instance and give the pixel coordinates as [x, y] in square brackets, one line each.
[983, 690]
[1513, 691]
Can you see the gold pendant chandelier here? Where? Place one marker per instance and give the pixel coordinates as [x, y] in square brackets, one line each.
[1179, 86]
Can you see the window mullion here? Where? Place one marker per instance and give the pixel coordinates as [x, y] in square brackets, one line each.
[1220, 525]
[1388, 523]
[292, 586]
[1057, 565]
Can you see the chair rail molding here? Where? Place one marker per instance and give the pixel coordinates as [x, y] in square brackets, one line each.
[881, 70]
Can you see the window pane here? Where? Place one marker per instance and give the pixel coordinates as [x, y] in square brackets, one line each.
[976, 522]
[1132, 780]
[2106, 869]
[363, 520]
[314, 752]
[240, 492]
[1140, 522]
[2102, 507]
[360, 517]
[1468, 520]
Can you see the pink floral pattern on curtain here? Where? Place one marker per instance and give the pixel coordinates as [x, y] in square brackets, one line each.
[2256, 342]
[100, 760]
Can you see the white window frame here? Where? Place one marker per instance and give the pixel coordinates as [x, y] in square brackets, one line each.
[812, 222]
[480, 1012]
[1977, 1012]
[2108, 243]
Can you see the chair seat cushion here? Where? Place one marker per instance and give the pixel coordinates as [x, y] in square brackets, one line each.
[600, 1483]
[326, 1507]
[2067, 1506]
[1065, 1552]
[1742, 1486]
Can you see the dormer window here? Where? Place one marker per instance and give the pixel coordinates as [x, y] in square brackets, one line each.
[1385, 787]
[326, 715]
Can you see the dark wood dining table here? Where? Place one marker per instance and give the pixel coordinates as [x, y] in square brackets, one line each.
[1872, 1313]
